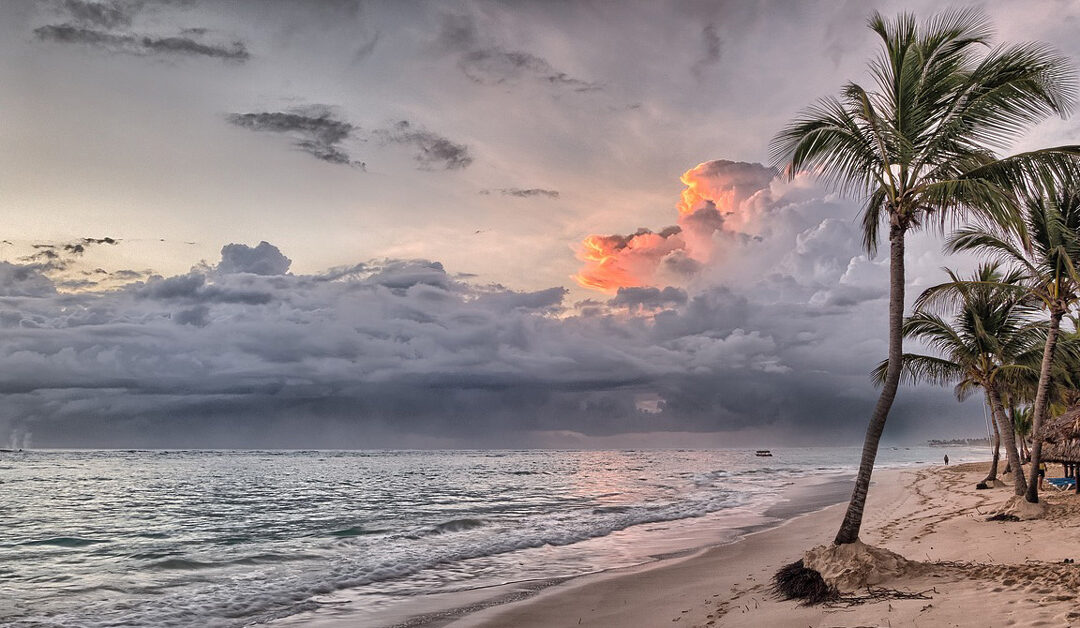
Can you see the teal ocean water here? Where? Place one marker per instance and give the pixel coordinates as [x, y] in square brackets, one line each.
[234, 538]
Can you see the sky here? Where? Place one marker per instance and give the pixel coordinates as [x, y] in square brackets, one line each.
[346, 224]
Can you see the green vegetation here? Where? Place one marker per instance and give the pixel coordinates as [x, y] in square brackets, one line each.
[920, 147]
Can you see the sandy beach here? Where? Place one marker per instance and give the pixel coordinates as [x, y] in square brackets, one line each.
[972, 572]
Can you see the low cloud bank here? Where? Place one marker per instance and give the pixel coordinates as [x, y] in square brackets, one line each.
[772, 330]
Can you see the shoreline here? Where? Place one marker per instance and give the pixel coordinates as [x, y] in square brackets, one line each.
[974, 572]
[603, 599]
[439, 610]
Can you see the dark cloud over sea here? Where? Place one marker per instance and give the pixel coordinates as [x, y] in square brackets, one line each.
[243, 352]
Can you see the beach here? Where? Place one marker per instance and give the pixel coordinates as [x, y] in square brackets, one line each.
[638, 538]
[976, 572]
[230, 538]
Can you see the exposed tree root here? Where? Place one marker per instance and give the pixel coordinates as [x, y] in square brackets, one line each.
[878, 594]
[795, 581]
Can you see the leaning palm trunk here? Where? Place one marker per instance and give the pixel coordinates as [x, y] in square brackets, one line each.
[1008, 435]
[919, 148]
[849, 529]
[1042, 398]
[992, 475]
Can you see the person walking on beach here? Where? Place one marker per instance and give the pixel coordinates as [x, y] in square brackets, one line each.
[946, 459]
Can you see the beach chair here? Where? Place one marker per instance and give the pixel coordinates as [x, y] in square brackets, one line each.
[1061, 484]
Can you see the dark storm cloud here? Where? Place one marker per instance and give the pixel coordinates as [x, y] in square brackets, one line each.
[366, 354]
[523, 192]
[489, 64]
[397, 341]
[432, 149]
[140, 44]
[315, 130]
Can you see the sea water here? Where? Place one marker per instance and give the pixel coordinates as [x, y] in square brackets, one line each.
[232, 538]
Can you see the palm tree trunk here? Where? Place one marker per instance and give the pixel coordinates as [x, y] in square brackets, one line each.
[992, 475]
[849, 529]
[1042, 397]
[1009, 436]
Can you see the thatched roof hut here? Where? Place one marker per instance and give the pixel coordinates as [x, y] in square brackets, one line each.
[1062, 442]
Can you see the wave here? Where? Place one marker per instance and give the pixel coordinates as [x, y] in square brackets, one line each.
[65, 541]
[394, 557]
[456, 525]
[257, 559]
[357, 531]
[409, 527]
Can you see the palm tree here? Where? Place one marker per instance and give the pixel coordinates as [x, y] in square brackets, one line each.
[919, 147]
[990, 343]
[991, 475]
[1067, 373]
[1017, 396]
[1021, 420]
[1047, 246]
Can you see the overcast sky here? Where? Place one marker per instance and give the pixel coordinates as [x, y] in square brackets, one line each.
[345, 224]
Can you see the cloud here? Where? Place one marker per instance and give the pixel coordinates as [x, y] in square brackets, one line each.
[264, 259]
[102, 14]
[489, 64]
[129, 43]
[54, 257]
[19, 280]
[315, 130]
[710, 56]
[197, 316]
[79, 247]
[240, 354]
[432, 149]
[503, 300]
[648, 298]
[494, 66]
[720, 202]
[523, 192]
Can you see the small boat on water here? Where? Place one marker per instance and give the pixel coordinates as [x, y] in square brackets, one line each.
[763, 453]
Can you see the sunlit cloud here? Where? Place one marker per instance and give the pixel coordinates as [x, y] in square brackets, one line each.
[716, 200]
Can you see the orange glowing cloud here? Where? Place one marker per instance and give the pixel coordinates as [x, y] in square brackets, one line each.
[714, 198]
[618, 261]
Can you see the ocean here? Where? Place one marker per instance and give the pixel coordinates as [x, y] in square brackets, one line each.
[234, 538]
